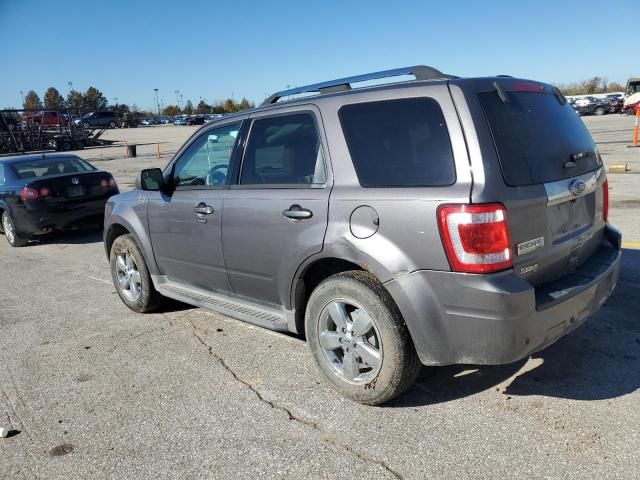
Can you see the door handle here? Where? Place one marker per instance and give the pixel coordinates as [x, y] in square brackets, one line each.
[297, 212]
[203, 209]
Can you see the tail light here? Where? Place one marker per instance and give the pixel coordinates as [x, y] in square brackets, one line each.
[45, 192]
[475, 237]
[605, 201]
[28, 193]
[108, 182]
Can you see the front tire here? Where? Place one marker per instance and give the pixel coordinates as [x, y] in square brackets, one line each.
[9, 230]
[131, 276]
[599, 111]
[112, 124]
[359, 339]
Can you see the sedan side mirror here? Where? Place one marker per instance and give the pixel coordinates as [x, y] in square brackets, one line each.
[150, 179]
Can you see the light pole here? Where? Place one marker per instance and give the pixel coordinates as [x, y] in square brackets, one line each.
[181, 103]
[116, 100]
[22, 95]
[157, 104]
[70, 85]
[177, 92]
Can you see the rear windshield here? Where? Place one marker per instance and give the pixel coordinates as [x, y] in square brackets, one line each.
[49, 167]
[399, 143]
[536, 136]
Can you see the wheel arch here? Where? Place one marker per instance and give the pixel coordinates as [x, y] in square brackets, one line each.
[117, 225]
[309, 277]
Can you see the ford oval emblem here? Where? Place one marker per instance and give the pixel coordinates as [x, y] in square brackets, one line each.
[75, 180]
[577, 187]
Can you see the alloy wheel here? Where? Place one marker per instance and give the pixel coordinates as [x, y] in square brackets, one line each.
[128, 276]
[350, 341]
[7, 226]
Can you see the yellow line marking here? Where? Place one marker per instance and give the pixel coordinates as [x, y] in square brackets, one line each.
[631, 244]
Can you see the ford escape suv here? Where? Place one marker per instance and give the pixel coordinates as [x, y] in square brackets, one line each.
[431, 221]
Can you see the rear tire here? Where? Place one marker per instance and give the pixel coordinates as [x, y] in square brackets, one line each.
[9, 230]
[112, 124]
[131, 276]
[371, 359]
[599, 111]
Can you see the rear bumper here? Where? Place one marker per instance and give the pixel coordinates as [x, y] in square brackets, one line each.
[500, 318]
[30, 221]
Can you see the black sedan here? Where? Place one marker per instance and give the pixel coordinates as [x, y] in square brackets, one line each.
[48, 192]
[196, 120]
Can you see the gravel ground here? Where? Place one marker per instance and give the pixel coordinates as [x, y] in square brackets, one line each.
[91, 390]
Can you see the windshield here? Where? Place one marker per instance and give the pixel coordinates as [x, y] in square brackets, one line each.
[87, 115]
[538, 139]
[633, 87]
[50, 167]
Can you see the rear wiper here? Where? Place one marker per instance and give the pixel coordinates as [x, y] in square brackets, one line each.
[574, 157]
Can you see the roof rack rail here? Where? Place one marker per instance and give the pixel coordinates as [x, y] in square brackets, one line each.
[421, 72]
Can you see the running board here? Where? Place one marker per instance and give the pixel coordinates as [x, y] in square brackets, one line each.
[235, 307]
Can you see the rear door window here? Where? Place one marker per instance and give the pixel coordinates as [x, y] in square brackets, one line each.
[399, 143]
[538, 139]
[284, 150]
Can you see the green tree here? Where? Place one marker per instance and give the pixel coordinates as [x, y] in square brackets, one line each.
[217, 107]
[171, 110]
[202, 107]
[615, 87]
[593, 85]
[244, 104]
[94, 100]
[120, 109]
[74, 102]
[32, 101]
[188, 107]
[229, 106]
[53, 99]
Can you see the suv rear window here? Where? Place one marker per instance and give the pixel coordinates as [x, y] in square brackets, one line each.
[399, 143]
[535, 136]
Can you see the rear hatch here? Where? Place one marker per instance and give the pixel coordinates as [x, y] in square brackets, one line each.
[539, 160]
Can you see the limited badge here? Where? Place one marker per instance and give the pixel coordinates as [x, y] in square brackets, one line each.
[530, 245]
[529, 269]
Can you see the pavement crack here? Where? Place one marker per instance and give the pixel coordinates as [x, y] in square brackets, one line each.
[324, 436]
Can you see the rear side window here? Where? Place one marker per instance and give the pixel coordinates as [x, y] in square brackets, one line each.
[399, 143]
[283, 150]
[538, 139]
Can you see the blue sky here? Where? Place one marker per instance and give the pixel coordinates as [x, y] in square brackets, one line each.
[214, 49]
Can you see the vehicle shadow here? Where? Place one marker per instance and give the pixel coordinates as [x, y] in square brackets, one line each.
[600, 360]
[72, 237]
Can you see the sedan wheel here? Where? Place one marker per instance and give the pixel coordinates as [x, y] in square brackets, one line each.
[10, 233]
[128, 276]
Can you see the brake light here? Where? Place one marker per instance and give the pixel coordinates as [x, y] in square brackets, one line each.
[45, 192]
[28, 193]
[108, 183]
[605, 201]
[528, 87]
[475, 237]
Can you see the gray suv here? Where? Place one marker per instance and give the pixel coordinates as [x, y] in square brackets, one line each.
[428, 222]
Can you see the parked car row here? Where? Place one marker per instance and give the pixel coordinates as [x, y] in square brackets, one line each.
[196, 119]
[592, 105]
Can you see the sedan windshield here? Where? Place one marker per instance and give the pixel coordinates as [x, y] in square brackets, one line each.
[50, 167]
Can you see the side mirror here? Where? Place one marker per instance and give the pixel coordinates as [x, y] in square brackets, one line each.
[150, 179]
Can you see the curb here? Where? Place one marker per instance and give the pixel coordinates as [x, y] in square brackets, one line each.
[618, 168]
